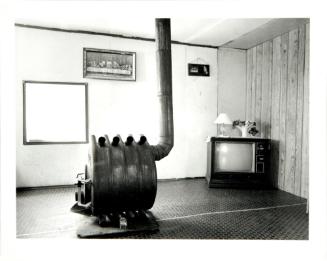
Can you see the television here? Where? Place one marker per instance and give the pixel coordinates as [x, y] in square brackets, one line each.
[238, 162]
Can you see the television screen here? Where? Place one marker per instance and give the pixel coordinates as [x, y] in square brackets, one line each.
[234, 157]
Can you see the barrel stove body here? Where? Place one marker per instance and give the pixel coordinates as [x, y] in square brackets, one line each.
[123, 176]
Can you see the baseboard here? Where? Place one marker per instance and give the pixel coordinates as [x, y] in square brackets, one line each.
[176, 179]
[20, 189]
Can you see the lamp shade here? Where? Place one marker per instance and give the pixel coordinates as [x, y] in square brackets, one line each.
[223, 119]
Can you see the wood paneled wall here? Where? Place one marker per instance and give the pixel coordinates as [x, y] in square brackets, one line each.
[277, 98]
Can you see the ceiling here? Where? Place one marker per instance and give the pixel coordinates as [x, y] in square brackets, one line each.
[235, 33]
[265, 32]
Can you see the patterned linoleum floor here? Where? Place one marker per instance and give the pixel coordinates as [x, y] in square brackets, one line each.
[185, 209]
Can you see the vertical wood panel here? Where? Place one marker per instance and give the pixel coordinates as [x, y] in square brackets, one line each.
[270, 54]
[291, 103]
[266, 89]
[299, 116]
[248, 114]
[276, 82]
[253, 82]
[275, 100]
[305, 140]
[282, 111]
[258, 90]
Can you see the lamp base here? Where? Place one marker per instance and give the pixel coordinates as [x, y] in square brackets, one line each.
[222, 131]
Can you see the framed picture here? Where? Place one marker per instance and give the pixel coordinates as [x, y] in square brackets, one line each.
[198, 69]
[55, 113]
[109, 64]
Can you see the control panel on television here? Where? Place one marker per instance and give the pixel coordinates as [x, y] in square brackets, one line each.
[238, 162]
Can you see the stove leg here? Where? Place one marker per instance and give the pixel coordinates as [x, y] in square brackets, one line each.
[122, 222]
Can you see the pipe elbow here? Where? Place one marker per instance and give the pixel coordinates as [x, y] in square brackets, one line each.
[163, 148]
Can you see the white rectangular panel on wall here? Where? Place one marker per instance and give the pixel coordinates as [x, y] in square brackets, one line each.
[55, 112]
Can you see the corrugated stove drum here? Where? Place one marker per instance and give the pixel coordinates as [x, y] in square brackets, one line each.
[120, 177]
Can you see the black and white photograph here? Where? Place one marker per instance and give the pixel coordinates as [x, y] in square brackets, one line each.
[160, 133]
[236, 169]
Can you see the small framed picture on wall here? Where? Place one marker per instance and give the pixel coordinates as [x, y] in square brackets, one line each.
[198, 69]
[109, 64]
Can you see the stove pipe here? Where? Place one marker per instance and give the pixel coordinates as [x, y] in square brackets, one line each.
[164, 72]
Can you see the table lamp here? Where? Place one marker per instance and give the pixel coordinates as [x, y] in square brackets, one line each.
[222, 119]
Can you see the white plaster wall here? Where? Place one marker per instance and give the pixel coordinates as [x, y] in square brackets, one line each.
[115, 106]
[232, 82]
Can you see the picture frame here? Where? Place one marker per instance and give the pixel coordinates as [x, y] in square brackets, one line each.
[198, 69]
[109, 64]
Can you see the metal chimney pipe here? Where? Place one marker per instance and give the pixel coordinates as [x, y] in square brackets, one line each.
[164, 72]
